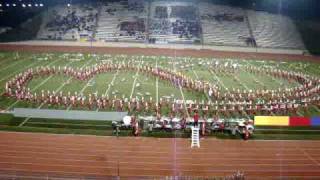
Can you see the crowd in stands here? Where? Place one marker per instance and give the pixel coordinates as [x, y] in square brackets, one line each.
[133, 28]
[161, 26]
[176, 22]
[122, 21]
[71, 20]
[186, 29]
[179, 21]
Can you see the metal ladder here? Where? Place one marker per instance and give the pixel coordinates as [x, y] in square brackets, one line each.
[195, 139]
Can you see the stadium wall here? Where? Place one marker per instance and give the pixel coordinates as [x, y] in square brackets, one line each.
[165, 46]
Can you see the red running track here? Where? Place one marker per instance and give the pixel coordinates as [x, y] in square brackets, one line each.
[37, 155]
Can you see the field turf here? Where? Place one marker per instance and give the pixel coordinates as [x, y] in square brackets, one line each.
[131, 84]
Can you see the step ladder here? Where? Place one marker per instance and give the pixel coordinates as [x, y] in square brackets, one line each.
[195, 139]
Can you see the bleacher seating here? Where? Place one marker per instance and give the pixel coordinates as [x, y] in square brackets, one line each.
[274, 31]
[118, 22]
[171, 22]
[223, 25]
[68, 23]
[174, 22]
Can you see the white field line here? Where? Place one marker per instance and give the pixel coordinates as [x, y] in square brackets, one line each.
[299, 113]
[6, 60]
[316, 108]
[81, 92]
[254, 78]
[17, 62]
[57, 90]
[276, 80]
[111, 84]
[280, 83]
[180, 88]
[15, 72]
[195, 73]
[39, 85]
[218, 79]
[241, 83]
[135, 80]
[157, 84]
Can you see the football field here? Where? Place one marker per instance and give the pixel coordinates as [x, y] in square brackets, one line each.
[130, 84]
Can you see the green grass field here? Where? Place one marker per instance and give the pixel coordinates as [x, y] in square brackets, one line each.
[125, 84]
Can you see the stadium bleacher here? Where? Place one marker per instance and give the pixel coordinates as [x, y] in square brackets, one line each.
[171, 22]
[274, 31]
[68, 23]
[118, 22]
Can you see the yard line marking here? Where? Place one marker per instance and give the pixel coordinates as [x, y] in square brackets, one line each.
[15, 72]
[5, 61]
[109, 86]
[135, 79]
[276, 80]
[219, 80]
[207, 96]
[15, 63]
[112, 81]
[316, 108]
[180, 88]
[82, 90]
[241, 83]
[35, 88]
[157, 83]
[255, 79]
[299, 113]
[58, 89]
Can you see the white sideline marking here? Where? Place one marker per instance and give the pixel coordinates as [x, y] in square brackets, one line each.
[135, 79]
[58, 89]
[39, 85]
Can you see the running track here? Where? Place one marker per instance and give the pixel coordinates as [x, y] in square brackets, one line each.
[46, 155]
